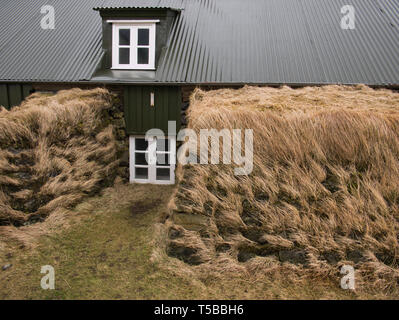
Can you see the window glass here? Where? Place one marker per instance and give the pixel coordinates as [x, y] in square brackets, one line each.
[124, 37]
[140, 159]
[141, 173]
[157, 170]
[141, 144]
[162, 159]
[142, 55]
[124, 56]
[162, 144]
[143, 37]
[133, 46]
[163, 174]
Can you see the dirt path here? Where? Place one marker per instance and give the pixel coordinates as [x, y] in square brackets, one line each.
[105, 254]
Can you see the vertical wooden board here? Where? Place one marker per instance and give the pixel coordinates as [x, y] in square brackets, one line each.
[170, 108]
[26, 90]
[126, 109]
[141, 117]
[172, 105]
[132, 108]
[148, 111]
[131, 116]
[4, 96]
[144, 109]
[15, 94]
[174, 112]
[138, 108]
[165, 108]
[153, 124]
[179, 103]
[159, 108]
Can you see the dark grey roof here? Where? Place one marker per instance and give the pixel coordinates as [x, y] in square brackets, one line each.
[214, 41]
[140, 4]
[71, 52]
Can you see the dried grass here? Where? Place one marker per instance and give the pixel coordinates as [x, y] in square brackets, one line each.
[54, 151]
[323, 192]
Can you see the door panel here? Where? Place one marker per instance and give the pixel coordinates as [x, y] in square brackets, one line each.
[141, 116]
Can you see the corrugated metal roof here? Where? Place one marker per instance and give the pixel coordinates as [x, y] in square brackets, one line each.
[283, 41]
[214, 41]
[140, 4]
[391, 10]
[71, 52]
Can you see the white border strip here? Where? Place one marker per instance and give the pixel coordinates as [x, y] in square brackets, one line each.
[133, 21]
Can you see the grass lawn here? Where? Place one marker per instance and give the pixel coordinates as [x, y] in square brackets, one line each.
[103, 255]
[106, 253]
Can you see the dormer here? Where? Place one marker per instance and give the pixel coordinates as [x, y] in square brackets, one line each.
[134, 38]
[133, 44]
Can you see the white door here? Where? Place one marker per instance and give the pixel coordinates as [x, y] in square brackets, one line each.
[153, 160]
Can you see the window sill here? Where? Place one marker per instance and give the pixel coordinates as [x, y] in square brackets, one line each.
[156, 182]
[135, 69]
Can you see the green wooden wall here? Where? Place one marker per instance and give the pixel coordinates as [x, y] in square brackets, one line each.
[141, 117]
[13, 94]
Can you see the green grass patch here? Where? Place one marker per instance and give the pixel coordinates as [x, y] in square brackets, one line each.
[106, 252]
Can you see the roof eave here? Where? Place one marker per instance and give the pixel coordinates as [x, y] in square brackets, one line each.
[136, 8]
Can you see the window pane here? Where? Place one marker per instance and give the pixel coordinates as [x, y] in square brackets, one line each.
[141, 173]
[143, 37]
[141, 144]
[163, 144]
[124, 56]
[162, 159]
[163, 174]
[140, 159]
[124, 37]
[142, 55]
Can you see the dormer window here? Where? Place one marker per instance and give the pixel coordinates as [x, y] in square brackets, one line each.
[133, 44]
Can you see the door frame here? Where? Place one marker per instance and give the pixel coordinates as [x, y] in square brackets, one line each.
[151, 163]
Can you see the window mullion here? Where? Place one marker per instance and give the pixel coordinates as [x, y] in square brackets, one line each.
[134, 45]
[172, 150]
[115, 48]
[152, 167]
[131, 47]
[151, 58]
[172, 158]
[152, 160]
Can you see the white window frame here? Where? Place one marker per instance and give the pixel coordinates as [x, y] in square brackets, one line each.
[152, 168]
[133, 25]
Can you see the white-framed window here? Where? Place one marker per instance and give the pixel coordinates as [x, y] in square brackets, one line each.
[153, 160]
[133, 44]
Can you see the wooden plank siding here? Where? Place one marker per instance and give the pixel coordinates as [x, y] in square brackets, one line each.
[141, 117]
[13, 94]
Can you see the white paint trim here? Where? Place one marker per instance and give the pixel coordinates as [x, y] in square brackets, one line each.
[133, 26]
[132, 21]
[152, 168]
